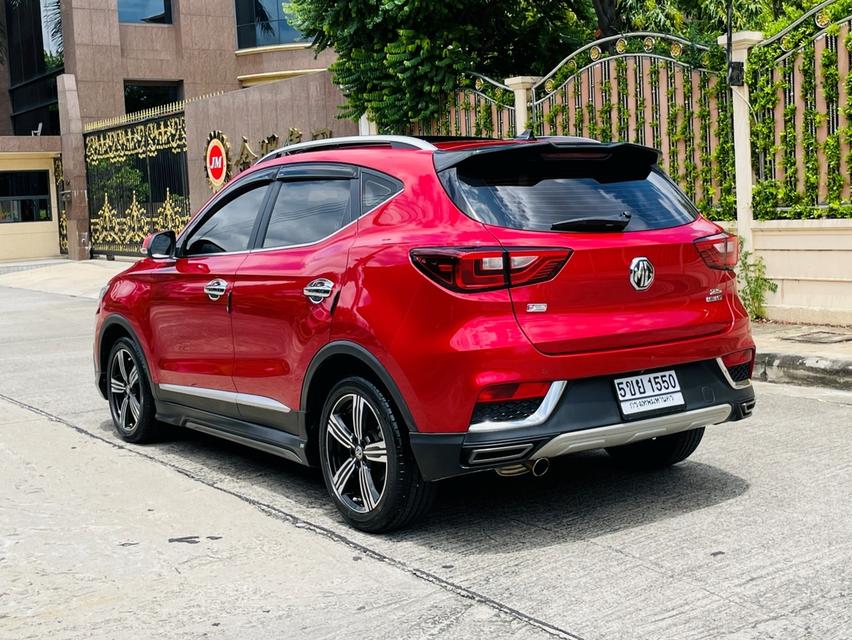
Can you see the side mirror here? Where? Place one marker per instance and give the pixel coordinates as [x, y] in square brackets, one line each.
[160, 246]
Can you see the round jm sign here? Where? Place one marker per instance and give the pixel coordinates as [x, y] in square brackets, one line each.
[216, 162]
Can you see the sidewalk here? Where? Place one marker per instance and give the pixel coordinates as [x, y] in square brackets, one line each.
[796, 354]
[804, 354]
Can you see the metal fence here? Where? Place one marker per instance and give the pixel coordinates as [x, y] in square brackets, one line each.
[136, 180]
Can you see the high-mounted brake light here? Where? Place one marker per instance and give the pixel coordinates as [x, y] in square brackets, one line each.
[720, 251]
[474, 269]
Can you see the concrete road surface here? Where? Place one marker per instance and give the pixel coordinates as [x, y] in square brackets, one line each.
[195, 537]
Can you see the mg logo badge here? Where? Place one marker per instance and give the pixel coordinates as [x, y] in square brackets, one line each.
[641, 273]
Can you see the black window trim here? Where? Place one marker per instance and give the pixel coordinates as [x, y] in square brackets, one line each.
[386, 200]
[233, 190]
[321, 171]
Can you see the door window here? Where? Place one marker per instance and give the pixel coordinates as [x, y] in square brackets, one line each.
[230, 226]
[308, 211]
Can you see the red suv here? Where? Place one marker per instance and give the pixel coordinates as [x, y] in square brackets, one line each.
[398, 311]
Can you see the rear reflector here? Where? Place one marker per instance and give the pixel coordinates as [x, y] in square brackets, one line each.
[514, 391]
[475, 269]
[719, 251]
[742, 361]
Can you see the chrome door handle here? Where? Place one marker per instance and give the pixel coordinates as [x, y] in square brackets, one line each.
[215, 289]
[318, 290]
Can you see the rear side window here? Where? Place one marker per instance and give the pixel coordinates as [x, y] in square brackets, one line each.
[534, 191]
[376, 189]
[308, 211]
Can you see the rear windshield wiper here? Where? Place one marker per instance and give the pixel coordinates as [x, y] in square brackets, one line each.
[594, 223]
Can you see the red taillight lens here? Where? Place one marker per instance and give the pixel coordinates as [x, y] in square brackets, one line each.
[719, 251]
[472, 270]
[514, 391]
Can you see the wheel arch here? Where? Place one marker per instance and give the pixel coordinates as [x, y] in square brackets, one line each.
[113, 328]
[339, 360]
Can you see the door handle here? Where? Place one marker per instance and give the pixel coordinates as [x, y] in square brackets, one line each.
[215, 289]
[318, 290]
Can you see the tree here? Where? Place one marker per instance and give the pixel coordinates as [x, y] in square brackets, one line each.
[396, 58]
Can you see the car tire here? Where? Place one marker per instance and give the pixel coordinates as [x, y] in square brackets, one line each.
[367, 465]
[131, 403]
[659, 452]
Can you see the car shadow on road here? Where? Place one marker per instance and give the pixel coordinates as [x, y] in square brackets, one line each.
[584, 496]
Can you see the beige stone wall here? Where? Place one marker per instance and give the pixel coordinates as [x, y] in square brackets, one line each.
[23, 240]
[811, 260]
[199, 49]
[307, 103]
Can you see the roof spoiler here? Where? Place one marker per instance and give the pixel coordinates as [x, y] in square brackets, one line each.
[620, 152]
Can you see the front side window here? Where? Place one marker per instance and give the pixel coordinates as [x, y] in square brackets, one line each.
[145, 11]
[230, 225]
[262, 23]
[308, 211]
[24, 196]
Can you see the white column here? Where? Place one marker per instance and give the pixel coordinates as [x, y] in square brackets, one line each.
[367, 127]
[741, 42]
[521, 86]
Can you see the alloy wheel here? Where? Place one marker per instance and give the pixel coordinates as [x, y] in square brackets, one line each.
[125, 391]
[356, 453]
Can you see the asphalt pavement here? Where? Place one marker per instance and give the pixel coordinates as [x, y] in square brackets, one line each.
[196, 537]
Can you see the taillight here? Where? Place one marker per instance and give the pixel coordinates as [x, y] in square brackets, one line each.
[719, 251]
[477, 269]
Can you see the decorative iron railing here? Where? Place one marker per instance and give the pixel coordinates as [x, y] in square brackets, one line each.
[801, 136]
[137, 182]
[653, 89]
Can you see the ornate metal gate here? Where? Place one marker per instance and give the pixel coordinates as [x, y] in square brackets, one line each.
[653, 89]
[137, 181]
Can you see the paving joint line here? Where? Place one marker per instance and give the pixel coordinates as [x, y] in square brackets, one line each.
[306, 525]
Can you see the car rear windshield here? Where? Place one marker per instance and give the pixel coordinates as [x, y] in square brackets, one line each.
[535, 190]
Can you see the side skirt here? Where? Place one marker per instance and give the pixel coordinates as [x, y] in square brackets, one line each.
[268, 439]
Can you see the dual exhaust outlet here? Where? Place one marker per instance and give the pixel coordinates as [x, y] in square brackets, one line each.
[537, 467]
[512, 456]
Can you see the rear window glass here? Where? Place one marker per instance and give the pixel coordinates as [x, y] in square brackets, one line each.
[534, 192]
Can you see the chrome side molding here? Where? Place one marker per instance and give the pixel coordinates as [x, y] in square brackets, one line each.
[545, 409]
[246, 399]
[628, 432]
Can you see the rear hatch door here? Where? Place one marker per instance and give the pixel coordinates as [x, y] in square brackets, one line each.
[634, 278]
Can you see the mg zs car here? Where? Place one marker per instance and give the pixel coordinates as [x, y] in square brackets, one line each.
[398, 311]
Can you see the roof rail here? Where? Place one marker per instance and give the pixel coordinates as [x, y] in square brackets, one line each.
[400, 142]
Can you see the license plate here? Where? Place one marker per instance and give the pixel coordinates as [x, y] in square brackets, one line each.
[649, 392]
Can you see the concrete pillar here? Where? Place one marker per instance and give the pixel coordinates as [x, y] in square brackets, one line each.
[367, 127]
[73, 167]
[521, 86]
[741, 42]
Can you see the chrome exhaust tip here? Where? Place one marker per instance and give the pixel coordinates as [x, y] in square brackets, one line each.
[540, 466]
[537, 467]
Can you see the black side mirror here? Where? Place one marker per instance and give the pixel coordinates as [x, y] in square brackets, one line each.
[160, 245]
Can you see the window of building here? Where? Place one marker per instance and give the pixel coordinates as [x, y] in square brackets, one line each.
[146, 95]
[35, 58]
[262, 23]
[24, 196]
[145, 11]
[308, 211]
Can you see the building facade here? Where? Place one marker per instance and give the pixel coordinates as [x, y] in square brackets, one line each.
[74, 63]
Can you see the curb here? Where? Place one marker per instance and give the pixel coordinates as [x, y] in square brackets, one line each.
[804, 370]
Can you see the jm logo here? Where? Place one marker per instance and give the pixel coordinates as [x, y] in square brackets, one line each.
[641, 273]
[216, 162]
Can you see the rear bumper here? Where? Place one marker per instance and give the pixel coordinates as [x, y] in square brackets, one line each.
[586, 417]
